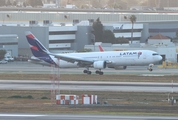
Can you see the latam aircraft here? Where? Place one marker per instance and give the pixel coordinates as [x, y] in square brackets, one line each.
[97, 60]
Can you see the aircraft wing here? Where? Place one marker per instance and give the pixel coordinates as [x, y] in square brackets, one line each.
[72, 59]
[81, 61]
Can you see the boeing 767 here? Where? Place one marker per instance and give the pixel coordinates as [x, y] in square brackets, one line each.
[97, 60]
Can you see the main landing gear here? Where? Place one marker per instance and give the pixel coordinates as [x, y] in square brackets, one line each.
[87, 71]
[99, 72]
[150, 67]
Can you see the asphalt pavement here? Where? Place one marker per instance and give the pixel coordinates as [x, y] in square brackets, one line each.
[26, 67]
[79, 117]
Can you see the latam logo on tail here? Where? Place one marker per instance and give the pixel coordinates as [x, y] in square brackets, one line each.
[31, 36]
[32, 46]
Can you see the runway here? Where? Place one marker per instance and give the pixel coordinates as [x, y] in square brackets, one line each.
[79, 117]
[25, 67]
[89, 86]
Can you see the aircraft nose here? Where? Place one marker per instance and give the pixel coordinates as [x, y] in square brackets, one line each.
[160, 58]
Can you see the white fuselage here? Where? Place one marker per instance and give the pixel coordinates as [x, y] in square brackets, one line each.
[117, 58]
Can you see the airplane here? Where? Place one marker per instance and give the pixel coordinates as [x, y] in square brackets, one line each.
[97, 60]
[35, 60]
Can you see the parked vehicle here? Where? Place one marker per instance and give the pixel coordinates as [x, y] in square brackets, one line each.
[3, 62]
[9, 58]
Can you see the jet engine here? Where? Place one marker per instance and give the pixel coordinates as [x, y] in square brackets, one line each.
[99, 64]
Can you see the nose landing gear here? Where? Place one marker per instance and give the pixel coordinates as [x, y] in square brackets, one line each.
[150, 67]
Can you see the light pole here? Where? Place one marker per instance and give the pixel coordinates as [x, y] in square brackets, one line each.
[168, 99]
[93, 40]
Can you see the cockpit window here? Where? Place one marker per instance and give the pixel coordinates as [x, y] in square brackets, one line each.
[155, 54]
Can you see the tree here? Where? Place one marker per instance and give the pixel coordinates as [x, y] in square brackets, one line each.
[2, 53]
[143, 3]
[122, 4]
[85, 50]
[96, 3]
[98, 30]
[84, 6]
[177, 34]
[157, 3]
[175, 39]
[108, 37]
[132, 19]
[14, 3]
[2, 2]
[24, 4]
[122, 40]
[39, 3]
[35, 3]
[8, 3]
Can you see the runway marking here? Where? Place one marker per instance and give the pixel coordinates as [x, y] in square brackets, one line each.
[151, 75]
[18, 115]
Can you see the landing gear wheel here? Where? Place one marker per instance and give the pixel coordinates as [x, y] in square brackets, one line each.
[101, 73]
[150, 69]
[85, 71]
[124, 67]
[89, 72]
[97, 72]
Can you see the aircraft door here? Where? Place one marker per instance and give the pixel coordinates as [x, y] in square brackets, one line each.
[144, 56]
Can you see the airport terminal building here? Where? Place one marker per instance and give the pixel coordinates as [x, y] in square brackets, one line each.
[75, 32]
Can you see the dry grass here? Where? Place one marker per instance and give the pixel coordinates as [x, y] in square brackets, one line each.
[125, 102]
[132, 103]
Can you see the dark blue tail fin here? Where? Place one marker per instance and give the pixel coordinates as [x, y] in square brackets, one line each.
[37, 48]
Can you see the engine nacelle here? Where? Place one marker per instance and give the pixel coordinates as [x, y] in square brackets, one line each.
[99, 64]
